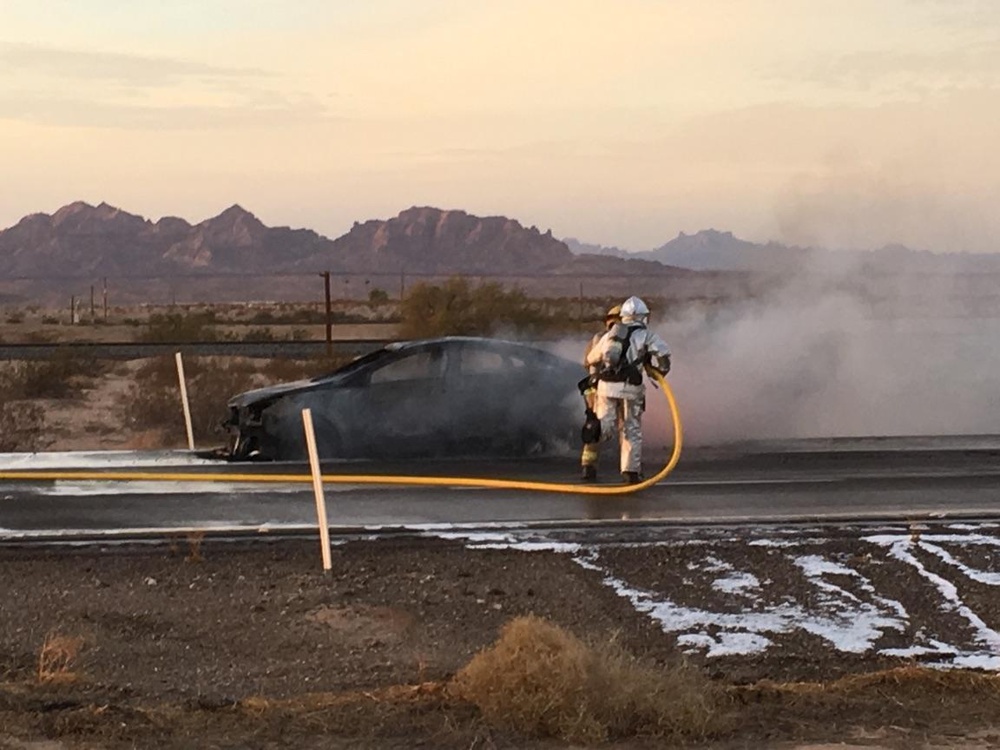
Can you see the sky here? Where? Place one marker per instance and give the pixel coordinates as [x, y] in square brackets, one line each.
[841, 123]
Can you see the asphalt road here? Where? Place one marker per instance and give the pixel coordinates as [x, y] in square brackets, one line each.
[874, 478]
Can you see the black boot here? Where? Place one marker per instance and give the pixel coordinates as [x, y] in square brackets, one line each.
[589, 473]
[631, 477]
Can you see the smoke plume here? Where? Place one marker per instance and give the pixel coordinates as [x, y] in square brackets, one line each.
[823, 359]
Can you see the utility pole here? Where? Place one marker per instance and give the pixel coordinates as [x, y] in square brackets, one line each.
[329, 314]
[402, 284]
[72, 310]
[93, 309]
[105, 298]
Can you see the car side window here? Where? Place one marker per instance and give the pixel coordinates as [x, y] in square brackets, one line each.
[476, 361]
[418, 366]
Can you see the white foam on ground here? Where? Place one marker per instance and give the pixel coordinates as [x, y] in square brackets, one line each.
[63, 488]
[129, 535]
[816, 567]
[980, 576]
[900, 550]
[888, 540]
[724, 644]
[988, 662]
[496, 540]
[72, 460]
[715, 565]
[736, 583]
[845, 622]
[970, 526]
[537, 546]
[785, 543]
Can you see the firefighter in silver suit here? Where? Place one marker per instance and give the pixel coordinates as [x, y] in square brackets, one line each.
[612, 318]
[620, 357]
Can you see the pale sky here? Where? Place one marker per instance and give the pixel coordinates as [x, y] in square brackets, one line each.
[621, 122]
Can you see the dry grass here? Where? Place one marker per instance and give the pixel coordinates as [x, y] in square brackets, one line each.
[901, 682]
[58, 657]
[146, 440]
[22, 427]
[63, 376]
[194, 540]
[555, 685]
[542, 681]
[153, 400]
[425, 713]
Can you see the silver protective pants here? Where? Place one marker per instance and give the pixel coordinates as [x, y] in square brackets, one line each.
[622, 417]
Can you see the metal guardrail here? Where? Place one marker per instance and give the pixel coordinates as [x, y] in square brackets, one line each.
[137, 350]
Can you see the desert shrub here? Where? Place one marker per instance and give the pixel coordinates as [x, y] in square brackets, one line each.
[58, 657]
[39, 337]
[259, 334]
[377, 297]
[153, 401]
[50, 320]
[21, 427]
[262, 318]
[15, 318]
[459, 308]
[58, 377]
[542, 681]
[176, 327]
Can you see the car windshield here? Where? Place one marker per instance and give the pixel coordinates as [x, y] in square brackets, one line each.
[475, 358]
[352, 366]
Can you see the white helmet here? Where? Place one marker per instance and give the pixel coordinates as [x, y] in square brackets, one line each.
[634, 310]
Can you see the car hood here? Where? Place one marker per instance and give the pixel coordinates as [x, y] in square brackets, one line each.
[271, 392]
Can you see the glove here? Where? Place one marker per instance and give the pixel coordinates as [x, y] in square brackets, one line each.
[591, 431]
[659, 362]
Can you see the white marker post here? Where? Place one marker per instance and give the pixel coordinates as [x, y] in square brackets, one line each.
[317, 477]
[184, 400]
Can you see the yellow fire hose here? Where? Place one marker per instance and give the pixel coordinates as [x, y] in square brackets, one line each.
[509, 484]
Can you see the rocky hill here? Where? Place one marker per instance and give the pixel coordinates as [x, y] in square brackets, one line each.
[80, 240]
[84, 241]
[714, 250]
[429, 240]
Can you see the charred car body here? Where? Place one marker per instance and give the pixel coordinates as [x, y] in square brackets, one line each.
[454, 396]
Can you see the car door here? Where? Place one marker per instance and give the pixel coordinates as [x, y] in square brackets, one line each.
[482, 384]
[402, 407]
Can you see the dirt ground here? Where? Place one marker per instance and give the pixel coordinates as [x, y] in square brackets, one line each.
[203, 643]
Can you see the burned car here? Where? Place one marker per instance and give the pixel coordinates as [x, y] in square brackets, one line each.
[453, 396]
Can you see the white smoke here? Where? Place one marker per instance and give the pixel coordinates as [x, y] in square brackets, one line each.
[817, 362]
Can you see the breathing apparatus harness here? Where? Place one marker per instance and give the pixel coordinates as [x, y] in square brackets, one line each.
[624, 371]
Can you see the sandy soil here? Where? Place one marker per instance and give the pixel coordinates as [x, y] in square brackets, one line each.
[53, 327]
[212, 644]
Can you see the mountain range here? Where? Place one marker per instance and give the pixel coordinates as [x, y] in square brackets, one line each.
[84, 241]
[714, 250]
[235, 257]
